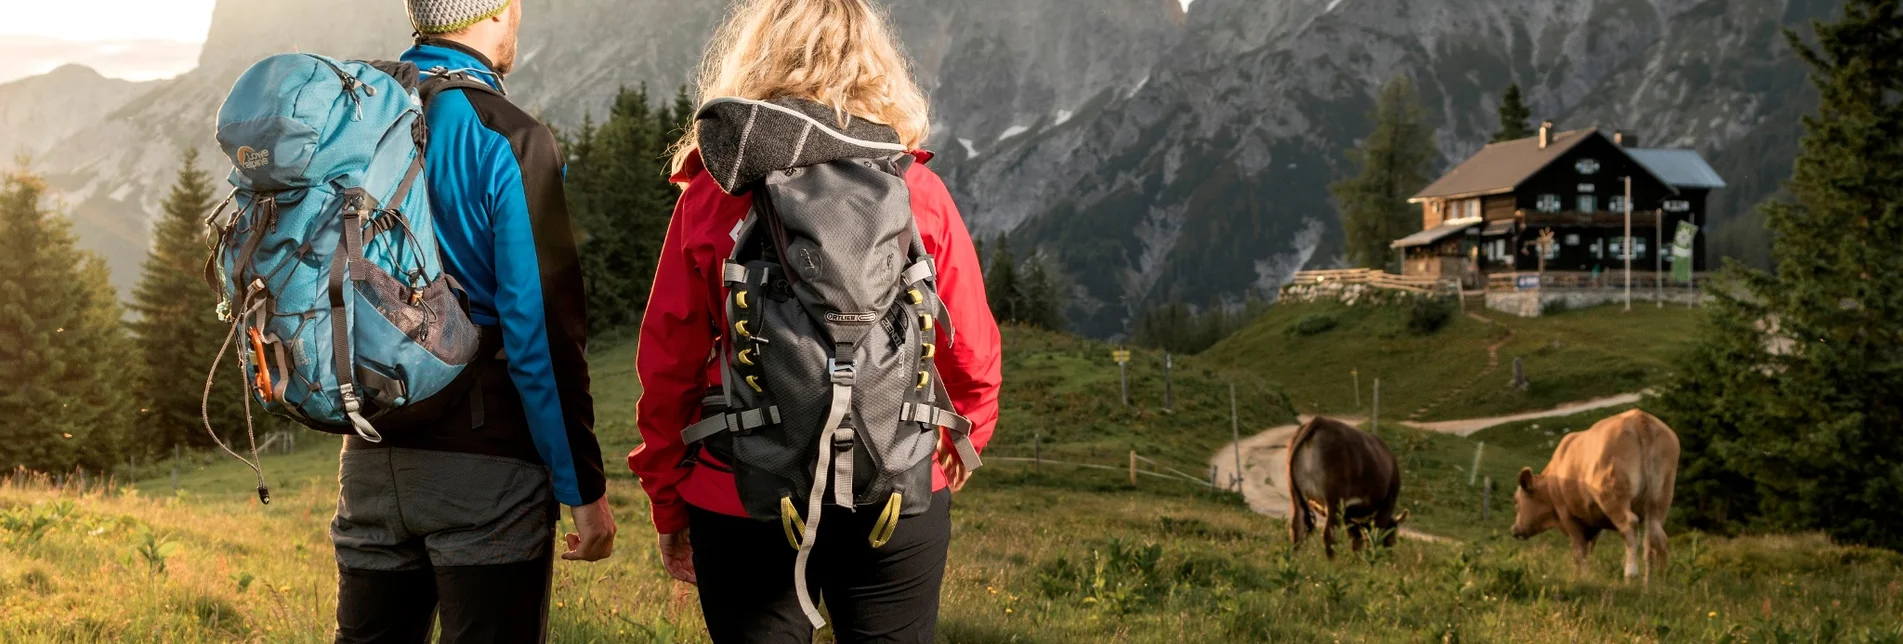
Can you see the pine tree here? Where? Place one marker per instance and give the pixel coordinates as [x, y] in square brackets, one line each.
[65, 396]
[1513, 116]
[178, 332]
[1788, 408]
[621, 200]
[1394, 163]
[1001, 281]
[1042, 300]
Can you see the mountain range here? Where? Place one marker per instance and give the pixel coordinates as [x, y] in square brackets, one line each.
[1149, 153]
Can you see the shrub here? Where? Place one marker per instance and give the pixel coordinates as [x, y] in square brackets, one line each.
[1314, 323]
[1426, 315]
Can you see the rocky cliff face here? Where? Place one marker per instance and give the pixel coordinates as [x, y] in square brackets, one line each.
[991, 64]
[1210, 180]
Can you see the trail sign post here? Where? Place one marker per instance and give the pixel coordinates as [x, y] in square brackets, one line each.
[1122, 356]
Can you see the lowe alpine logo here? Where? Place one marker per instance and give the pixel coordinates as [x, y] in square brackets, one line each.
[853, 318]
[250, 159]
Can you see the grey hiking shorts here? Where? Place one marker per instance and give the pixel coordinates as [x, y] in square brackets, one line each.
[402, 509]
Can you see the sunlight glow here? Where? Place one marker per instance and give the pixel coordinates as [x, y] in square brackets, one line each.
[97, 20]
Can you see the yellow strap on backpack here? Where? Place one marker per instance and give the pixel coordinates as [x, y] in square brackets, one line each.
[888, 521]
[791, 522]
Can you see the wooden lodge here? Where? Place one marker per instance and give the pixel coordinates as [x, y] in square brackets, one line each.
[1484, 218]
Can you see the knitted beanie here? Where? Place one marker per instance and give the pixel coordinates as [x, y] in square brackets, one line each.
[445, 16]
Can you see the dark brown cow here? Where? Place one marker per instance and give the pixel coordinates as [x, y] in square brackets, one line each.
[1347, 476]
[1616, 475]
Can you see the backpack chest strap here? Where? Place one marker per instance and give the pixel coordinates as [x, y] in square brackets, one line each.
[730, 422]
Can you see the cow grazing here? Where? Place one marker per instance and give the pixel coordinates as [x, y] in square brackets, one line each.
[1346, 475]
[1617, 474]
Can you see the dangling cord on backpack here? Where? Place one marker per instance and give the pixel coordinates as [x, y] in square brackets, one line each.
[204, 404]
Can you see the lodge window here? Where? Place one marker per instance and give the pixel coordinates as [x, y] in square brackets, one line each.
[1572, 239]
[1586, 166]
[1616, 203]
[1551, 252]
[1618, 247]
[1548, 203]
[1587, 203]
[1472, 208]
[1677, 205]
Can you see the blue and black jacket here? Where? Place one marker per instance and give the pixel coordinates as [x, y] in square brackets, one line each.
[495, 185]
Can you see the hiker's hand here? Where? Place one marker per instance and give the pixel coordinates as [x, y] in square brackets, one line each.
[955, 472]
[677, 556]
[597, 532]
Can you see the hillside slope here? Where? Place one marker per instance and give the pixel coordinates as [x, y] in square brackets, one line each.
[1570, 356]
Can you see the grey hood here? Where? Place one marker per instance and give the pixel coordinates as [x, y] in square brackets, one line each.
[742, 141]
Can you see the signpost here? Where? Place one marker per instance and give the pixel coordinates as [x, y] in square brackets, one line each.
[1122, 356]
[1526, 282]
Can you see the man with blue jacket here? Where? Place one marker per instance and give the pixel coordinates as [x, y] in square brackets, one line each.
[457, 518]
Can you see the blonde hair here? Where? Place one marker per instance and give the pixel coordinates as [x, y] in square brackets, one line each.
[840, 53]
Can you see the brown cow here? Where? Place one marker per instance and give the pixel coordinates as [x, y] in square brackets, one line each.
[1347, 476]
[1617, 474]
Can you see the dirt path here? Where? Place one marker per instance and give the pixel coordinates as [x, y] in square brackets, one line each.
[1265, 455]
[1467, 427]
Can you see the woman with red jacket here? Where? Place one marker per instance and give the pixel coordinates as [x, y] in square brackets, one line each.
[838, 58]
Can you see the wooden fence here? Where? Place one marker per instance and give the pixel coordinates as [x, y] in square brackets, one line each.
[1375, 278]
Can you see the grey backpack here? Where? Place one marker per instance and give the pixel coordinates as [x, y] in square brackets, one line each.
[829, 393]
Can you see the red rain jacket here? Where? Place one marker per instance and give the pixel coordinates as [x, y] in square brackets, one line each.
[676, 358]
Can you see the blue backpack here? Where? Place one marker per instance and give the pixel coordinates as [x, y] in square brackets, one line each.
[327, 264]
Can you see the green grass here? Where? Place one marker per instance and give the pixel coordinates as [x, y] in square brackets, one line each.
[1063, 391]
[1057, 557]
[1569, 356]
[1065, 555]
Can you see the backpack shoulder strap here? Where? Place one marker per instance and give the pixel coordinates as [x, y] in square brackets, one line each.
[437, 83]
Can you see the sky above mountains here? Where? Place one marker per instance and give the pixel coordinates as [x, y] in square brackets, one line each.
[130, 39]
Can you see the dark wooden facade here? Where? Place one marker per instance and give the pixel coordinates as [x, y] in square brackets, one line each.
[1577, 192]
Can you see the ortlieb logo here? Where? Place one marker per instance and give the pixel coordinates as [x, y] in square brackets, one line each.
[853, 318]
[250, 159]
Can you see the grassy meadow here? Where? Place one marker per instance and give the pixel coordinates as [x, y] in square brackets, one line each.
[1569, 356]
[1061, 555]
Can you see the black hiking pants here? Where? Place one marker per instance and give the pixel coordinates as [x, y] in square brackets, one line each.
[888, 594]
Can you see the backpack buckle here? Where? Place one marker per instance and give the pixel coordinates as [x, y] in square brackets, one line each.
[840, 372]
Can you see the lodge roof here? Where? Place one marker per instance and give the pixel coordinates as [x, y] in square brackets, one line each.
[1435, 234]
[1500, 167]
[1678, 167]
